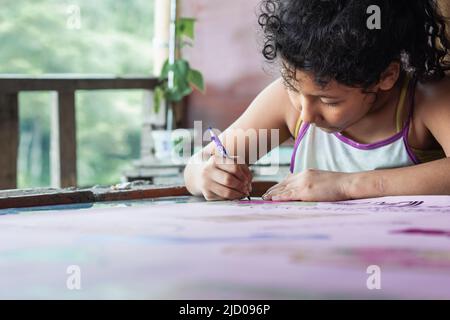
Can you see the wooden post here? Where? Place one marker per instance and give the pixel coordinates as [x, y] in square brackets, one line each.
[9, 140]
[161, 38]
[161, 34]
[152, 120]
[63, 151]
[147, 143]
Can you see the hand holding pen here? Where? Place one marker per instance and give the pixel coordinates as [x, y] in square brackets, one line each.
[232, 175]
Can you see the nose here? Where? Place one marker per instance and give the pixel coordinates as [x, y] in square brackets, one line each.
[308, 113]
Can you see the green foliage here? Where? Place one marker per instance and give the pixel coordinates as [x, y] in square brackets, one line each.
[185, 28]
[109, 131]
[181, 86]
[184, 77]
[114, 38]
[196, 79]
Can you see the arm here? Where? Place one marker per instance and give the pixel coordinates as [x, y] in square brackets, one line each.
[427, 178]
[268, 111]
[317, 185]
[433, 109]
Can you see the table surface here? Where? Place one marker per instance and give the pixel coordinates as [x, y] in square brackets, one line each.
[186, 248]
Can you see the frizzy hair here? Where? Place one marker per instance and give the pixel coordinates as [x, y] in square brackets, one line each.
[330, 38]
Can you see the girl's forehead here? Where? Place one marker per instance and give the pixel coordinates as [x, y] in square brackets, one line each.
[306, 83]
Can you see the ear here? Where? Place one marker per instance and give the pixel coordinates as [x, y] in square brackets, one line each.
[389, 77]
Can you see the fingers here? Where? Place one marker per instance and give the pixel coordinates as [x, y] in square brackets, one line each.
[222, 178]
[248, 176]
[224, 192]
[285, 195]
[234, 170]
[246, 171]
[211, 196]
[282, 194]
[229, 180]
[275, 190]
[240, 171]
[271, 188]
[278, 186]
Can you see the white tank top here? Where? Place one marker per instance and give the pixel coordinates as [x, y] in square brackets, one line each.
[317, 149]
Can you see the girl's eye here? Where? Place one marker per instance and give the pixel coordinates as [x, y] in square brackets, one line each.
[334, 104]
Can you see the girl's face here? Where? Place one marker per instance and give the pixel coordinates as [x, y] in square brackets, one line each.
[332, 108]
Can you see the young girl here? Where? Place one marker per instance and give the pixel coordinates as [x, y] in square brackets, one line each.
[369, 107]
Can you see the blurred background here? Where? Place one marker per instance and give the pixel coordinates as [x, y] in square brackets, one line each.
[116, 37]
[82, 37]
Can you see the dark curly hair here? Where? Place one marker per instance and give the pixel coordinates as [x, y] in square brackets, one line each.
[330, 38]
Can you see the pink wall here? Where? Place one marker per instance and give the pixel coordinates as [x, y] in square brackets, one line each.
[226, 50]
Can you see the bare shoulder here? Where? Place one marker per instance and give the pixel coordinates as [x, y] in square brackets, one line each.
[435, 92]
[267, 110]
[286, 106]
[432, 111]
[274, 103]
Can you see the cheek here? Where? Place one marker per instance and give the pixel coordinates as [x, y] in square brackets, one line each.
[342, 116]
[356, 112]
[338, 116]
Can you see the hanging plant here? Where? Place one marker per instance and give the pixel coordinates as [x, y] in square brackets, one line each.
[185, 79]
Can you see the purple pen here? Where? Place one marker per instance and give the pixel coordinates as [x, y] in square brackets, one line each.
[219, 146]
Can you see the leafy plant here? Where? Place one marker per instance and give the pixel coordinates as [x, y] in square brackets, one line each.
[184, 77]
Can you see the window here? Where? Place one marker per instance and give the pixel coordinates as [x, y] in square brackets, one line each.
[84, 37]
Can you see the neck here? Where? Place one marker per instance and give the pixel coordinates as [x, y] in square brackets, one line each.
[387, 99]
[380, 119]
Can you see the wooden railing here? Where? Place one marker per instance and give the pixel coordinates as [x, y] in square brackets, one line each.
[63, 127]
